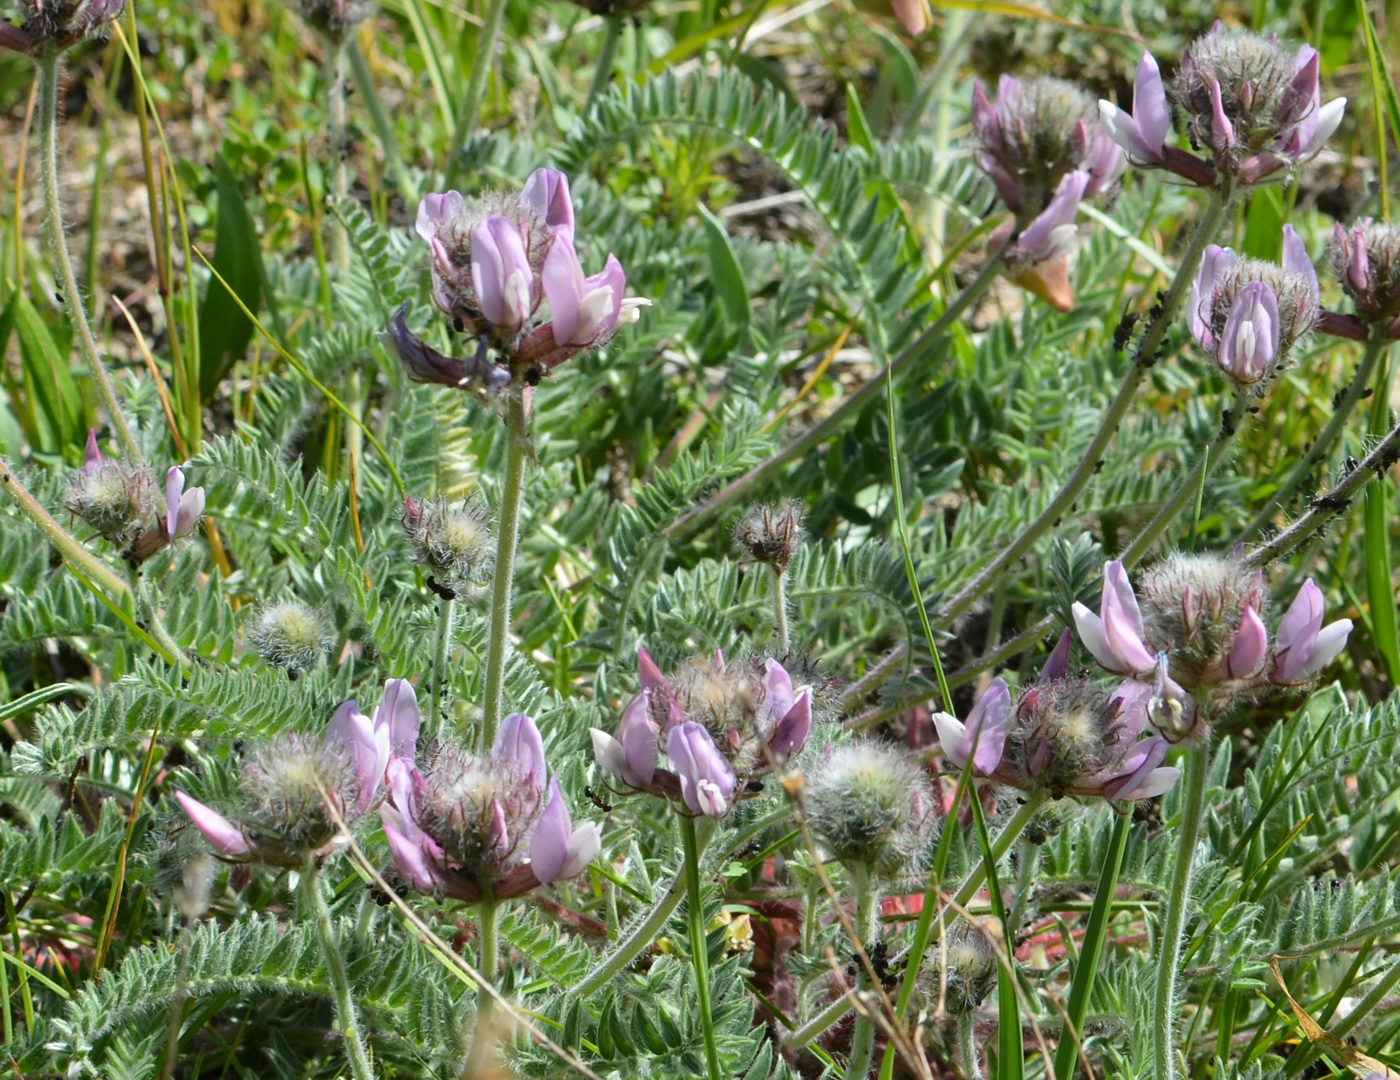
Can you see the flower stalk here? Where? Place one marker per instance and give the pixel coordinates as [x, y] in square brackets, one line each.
[1175, 903]
[507, 537]
[867, 927]
[1143, 359]
[345, 1011]
[63, 262]
[699, 951]
[488, 920]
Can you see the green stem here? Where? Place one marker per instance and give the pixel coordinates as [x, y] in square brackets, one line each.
[442, 655]
[1322, 447]
[1175, 904]
[483, 1039]
[780, 611]
[340, 235]
[1143, 359]
[699, 951]
[848, 408]
[146, 609]
[967, 1044]
[602, 74]
[1206, 462]
[63, 262]
[476, 85]
[507, 536]
[867, 928]
[924, 928]
[345, 1013]
[92, 567]
[1377, 463]
[383, 128]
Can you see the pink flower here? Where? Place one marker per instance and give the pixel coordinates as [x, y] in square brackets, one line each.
[983, 738]
[1143, 134]
[1303, 646]
[1114, 635]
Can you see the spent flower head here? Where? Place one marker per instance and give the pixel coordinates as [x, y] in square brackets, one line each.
[771, 534]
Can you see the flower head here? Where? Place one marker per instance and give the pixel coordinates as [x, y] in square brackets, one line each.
[454, 543]
[745, 716]
[1366, 260]
[290, 635]
[473, 826]
[50, 26]
[771, 534]
[112, 497]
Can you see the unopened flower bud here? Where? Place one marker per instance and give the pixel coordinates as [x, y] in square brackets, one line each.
[869, 803]
[291, 635]
[455, 544]
[963, 967]
[771, 534]
[336, 19]
[1366, 259]
[111, 496]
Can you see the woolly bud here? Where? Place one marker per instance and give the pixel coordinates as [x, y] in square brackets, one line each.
[1206, 614]
[290, 635]
[112, 497]
[771, 534]
[871, 804]
[455, 544]
[963, 967]
[336, 19]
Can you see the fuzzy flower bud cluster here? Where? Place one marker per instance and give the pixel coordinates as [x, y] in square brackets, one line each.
[291, 635]
[497, 263]
[1045, 150]
[1366, 260]
[962, 969]
[1201, 627]
[1247, 313]
[494, 826]
[336, 19]
[50, 26]
[1065, 735]
[113, 497]
[724, 726]
[455, 544]
[869, 804]
[1252, 105]
[291, 786]
[771, 534]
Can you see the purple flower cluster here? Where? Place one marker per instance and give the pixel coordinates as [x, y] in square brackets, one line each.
[1255, 107]
[1204, 629]
[493, 265]
[290, 783]
[724, 725]
[1366, 259]
[476, 827]
[1248, 314]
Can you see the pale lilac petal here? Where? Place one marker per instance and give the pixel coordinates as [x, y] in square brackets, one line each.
[92, 455]
[409, 858]
[791, 733]
[1043, 238]
[599, 306]
[1057, 663]
[984, 116]
[368, 750]
[584, 845]
[1249, 343]
[1090, 628]
[498, 838]
[1250, 646]
[549, 846]
[1216, 261]
[986, 727]
[1331, 640]
[639, 740]
[1121, 621]
[777, 690]
[1136, 767]
[547, 193]
[518, 744]
[611, 757]
[1329, 117]
[651, 676]
[398, 715]
[707, 781]
[564, 286]
[1151, 112]
[174, 484]
[1158, 782]
[1303, 92]
[501, 273]
[189, 511]
[1221, 130]
[1297, 261]
[223, 835]
[435, 210]
[1123, 130]
[1359, 268]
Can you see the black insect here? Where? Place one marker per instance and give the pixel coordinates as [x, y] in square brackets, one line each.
[1123, 332]
[597, 800]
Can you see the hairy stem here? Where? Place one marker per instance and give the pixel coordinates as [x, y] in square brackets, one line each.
[780, 611]
[476, 83]
[867, 927]
[1143, 359]
[483, 1039]
[87, 563]
[1331, 433]
[1175, 903]
[1377, 463]
[848, 408]
[602, 74]
[345, 1012]
[63, 262]
[507, 536]
[442, 655]
[967, 1045]
[924, 929]
[699, 952]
